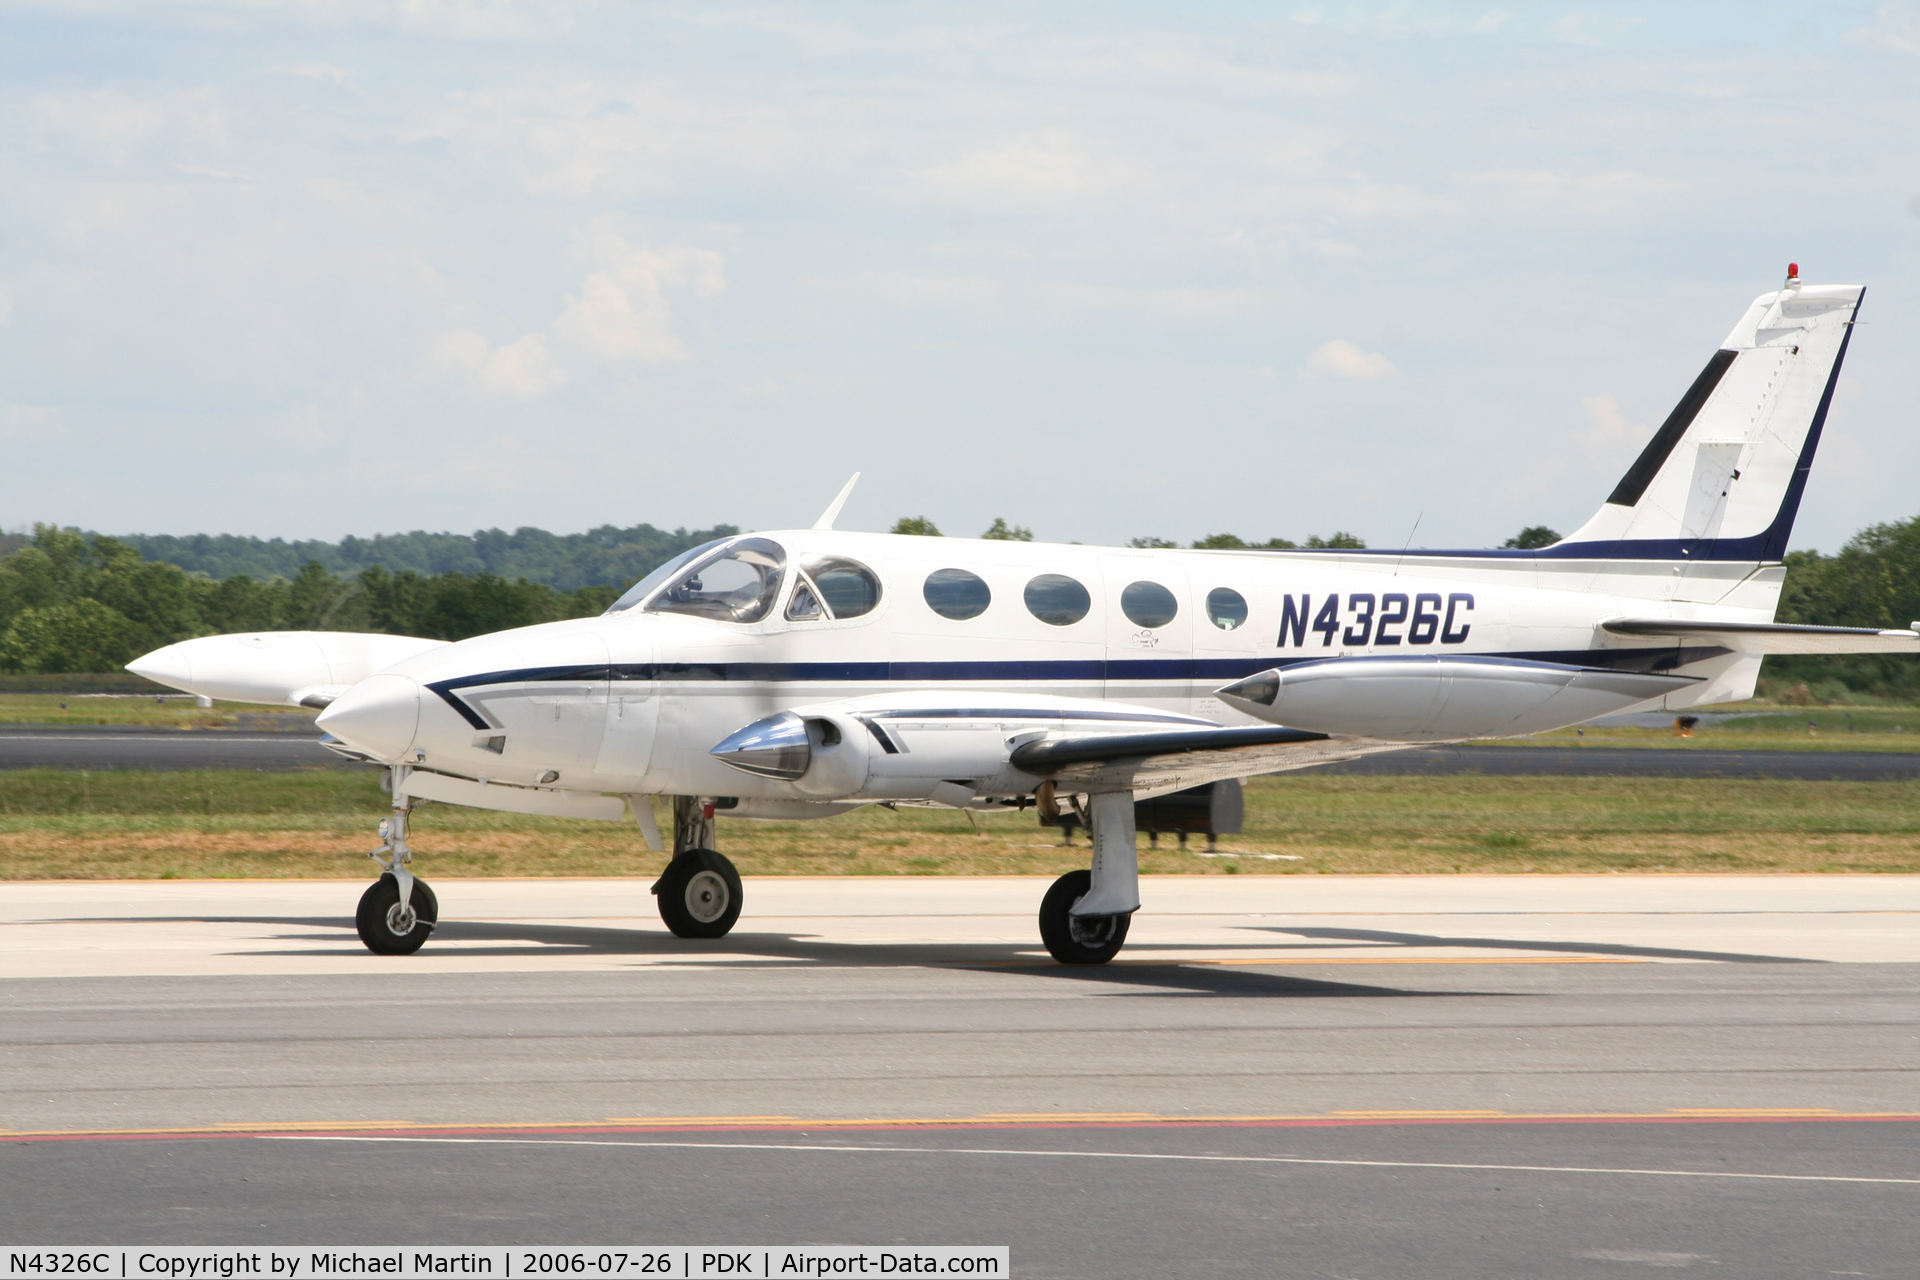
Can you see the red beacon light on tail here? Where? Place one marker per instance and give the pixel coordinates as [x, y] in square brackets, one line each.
[1793, 274]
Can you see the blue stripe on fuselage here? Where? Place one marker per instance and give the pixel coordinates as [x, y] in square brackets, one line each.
[923, 674]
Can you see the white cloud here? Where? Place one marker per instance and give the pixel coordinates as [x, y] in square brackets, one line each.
[309, 428]
[574, 139]
[621, 312]
[1269, 242]
[114, 123]
[25, 421]
[1589, 29]
[1342, 359]
[326, 72]
[1401, 22]
[497, 466]
[1539, 190]
[1363, 197]
[1036, 168]
[1605, 434]
[522, 368]
[607, 320]
[1895, 27]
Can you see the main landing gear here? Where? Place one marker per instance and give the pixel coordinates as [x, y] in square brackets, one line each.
[1084, 917]
[398, 910]
[699, 893]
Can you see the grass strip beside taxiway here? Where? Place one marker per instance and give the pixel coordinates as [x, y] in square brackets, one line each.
[318, 823]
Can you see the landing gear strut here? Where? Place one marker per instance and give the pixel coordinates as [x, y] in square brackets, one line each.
[398, 910]
[1085, 915]
[699, 893]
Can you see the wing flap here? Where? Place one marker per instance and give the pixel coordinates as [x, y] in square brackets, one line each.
[1049, 754]
[1771, 637]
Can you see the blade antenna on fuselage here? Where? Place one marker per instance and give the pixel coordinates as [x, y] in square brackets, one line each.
[832, 512]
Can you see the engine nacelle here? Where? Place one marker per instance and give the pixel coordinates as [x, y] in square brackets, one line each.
[949, 749]
[1441, 699]
[821, 753]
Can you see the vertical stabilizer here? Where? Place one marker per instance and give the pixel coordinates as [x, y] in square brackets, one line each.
[1722, 477]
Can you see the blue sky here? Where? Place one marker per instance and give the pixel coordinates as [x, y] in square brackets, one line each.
[309, 269]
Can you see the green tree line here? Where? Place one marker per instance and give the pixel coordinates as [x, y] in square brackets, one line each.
[599, 557]
[1873, 581]
[74, 602]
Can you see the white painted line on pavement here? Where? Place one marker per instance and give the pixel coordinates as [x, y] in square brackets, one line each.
[1108, 1155]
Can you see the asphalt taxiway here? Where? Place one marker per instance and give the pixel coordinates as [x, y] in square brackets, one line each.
[1393, 1076]
[120, 748]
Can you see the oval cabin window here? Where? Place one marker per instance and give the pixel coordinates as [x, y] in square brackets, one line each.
[1148, 604]
[1057, 599]
[1226, 608]
[956, 594]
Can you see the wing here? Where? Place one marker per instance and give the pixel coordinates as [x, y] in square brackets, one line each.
[955, 747]
[1155, 763]
[1771, 637]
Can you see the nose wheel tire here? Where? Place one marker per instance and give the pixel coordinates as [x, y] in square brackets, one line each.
[386, 927]
[699, 895]
[1074, 939]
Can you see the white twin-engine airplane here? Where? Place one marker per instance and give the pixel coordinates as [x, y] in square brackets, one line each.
[802, 673]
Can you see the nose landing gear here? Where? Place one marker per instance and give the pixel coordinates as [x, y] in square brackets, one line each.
[398, 910]
[699, 894]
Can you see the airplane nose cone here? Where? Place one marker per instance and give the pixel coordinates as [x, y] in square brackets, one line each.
[379, 716]
[168, 666]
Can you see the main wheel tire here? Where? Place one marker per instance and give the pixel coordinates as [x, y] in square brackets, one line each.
[1078, 939]
[380, 921]
[699, 895]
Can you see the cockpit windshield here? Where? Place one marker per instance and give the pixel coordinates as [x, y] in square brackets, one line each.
[658, 578]
[735, 584]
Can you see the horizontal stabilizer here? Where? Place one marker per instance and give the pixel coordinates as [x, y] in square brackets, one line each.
[1770, 637]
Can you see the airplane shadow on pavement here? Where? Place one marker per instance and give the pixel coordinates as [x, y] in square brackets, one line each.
[748, 949]
[1378, 937]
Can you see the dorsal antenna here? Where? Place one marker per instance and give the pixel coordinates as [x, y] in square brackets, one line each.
[832, 512]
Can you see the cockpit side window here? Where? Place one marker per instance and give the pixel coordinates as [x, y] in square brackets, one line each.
[849, 587]
[738, 584]
[654, 581]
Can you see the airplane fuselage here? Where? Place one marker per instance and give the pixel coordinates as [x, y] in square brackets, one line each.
[632, 702]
